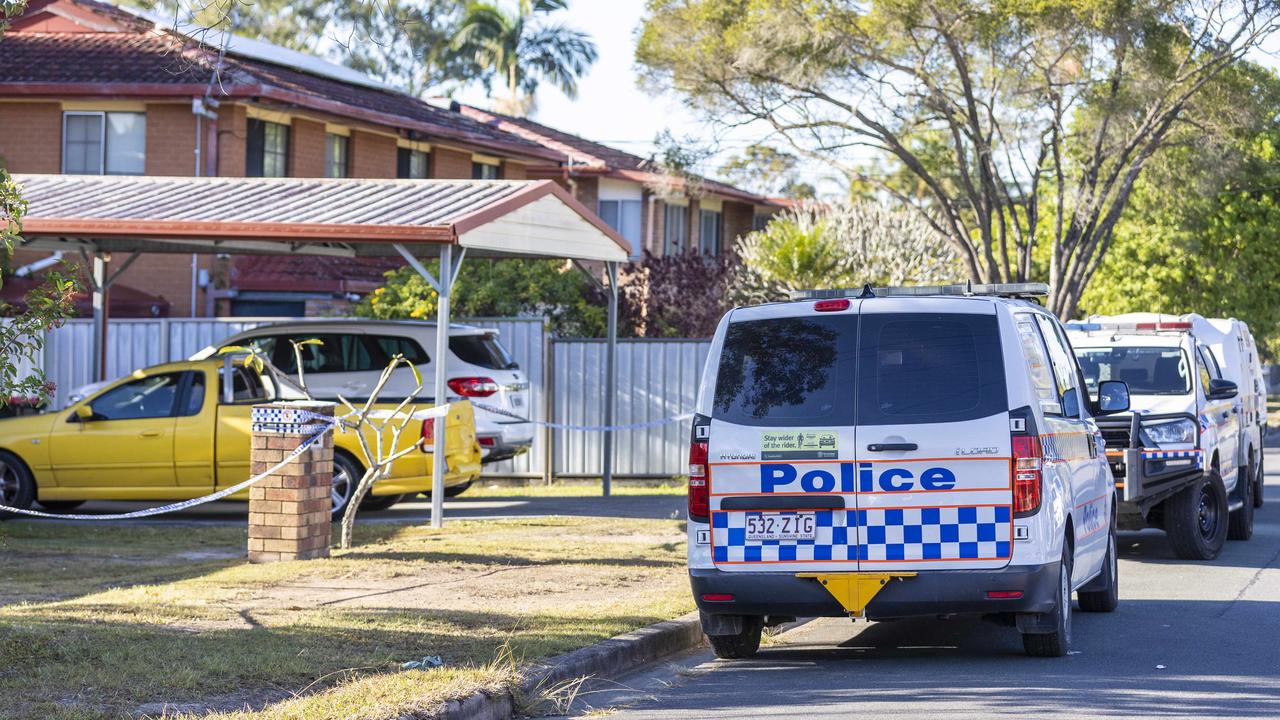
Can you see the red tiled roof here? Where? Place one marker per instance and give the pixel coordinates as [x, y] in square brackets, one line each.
[124, 300]
[295, 273]
[99, 57]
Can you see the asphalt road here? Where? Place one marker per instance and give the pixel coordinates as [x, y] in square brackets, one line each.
[1189, 640]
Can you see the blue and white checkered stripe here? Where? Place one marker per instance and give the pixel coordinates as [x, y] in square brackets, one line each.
[1197, 455]
[290, 421]
[887, 535]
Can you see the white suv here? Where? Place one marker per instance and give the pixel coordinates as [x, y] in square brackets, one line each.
[899, 452]
[354, 353]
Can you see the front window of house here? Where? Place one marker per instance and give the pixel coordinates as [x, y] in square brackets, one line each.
[483, 171]
[267, 149]
[335, 159]
[411, 164]
[675, 229]
[709, 233]
[98, 143]
[623, 216]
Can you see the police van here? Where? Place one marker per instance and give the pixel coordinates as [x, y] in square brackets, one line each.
[898, 452]
[1189, 457]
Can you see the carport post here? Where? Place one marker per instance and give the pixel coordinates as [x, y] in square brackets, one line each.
[99, 316]
[611, 376]
[442, 350]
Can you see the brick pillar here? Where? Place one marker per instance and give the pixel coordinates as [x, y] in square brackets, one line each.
[289, 509]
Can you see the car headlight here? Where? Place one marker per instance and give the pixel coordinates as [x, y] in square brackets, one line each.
[1169, 433]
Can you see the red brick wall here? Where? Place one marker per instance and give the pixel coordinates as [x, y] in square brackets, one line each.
[448, 164]
[737, 219]
[307, 149]
[695, 223]
[513, 171]
[659, 227]
[171, 139]
[231, 140]
[31, 139]
[587, 191]
[371, 156]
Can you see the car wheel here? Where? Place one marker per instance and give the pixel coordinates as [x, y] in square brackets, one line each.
[740, 645]
[380, 502]
[1057, 642]
[1240, 526]
[60, 506]
[1196, 518]
[457, 490]
[1106, 593]
[1261, 481]
[346, 475]
[17, 485]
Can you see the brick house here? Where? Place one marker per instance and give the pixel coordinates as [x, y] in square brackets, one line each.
[88, 87]
[652, 210]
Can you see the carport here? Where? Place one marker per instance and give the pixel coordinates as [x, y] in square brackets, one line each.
[101, 217]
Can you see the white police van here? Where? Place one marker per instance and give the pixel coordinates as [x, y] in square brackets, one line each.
[899, 452]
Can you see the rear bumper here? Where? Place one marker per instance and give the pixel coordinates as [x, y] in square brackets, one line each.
[932, 592]
[508, 440]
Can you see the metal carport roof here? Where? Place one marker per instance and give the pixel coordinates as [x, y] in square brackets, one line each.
[343, 217]
[312, 216]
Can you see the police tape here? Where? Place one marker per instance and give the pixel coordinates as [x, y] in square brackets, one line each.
[175, 507]
[587, 428]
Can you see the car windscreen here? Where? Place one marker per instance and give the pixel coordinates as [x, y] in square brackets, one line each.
[1147, 370]
[929, 368]
[787, 371]
[482, 350]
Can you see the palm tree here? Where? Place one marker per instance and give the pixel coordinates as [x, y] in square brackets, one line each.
[523, 49]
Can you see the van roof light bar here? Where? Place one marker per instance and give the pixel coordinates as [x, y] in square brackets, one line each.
[968, 289]
[1130, 327]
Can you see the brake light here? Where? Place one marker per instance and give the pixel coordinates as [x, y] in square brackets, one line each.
[473, 386]
[699, 482]
[1028, 460]
[428, 435]
[831, 305]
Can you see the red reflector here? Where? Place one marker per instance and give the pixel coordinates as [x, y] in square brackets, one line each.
[831, 305]
[724, 597]
[699, 482]
[1004, 594]
[487, 441]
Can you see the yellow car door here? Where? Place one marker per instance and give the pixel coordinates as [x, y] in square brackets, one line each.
[120, 439]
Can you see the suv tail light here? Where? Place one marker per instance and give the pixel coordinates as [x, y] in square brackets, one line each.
[473, 386]
[429, 435]
[699, 482]
[1028, 460]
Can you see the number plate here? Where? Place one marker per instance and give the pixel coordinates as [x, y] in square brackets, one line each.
[781, 526]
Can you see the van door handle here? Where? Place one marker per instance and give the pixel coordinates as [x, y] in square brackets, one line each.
[150, 434]
[890, 447]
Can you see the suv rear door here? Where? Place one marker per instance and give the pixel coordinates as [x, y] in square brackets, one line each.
[933, 443]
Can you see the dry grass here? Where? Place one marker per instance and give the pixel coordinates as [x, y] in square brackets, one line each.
[98, 622]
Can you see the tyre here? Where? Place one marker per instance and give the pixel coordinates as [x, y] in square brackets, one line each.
[1261, 481]
[1104, 595]
[17, 484]
[346, 475]
[1240, 526]
[743, 644]
[60, 506]
[1196, 518]
[379, 502]
[1057, 642]
[457, 490]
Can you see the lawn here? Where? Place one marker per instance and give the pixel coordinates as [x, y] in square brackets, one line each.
[110, 621]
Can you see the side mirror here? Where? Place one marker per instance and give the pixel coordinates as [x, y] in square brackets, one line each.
[1071, 403]
[1113, 397]
[1220, 389]
[83, 413]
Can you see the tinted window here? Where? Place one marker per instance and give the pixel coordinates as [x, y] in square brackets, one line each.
[1147, 370]
[390, 346]
[787, 371]
[929, 368]
[246, 386]
[483, 350]
[194, 399]
[336, 353]
[150, 397]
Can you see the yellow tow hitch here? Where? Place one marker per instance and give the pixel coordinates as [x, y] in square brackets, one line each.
[854, 590]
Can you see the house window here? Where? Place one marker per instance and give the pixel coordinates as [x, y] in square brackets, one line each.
[335, 159]
[675, 231]
[623, 216]
[411, 164]
[484, 171]
[709, 233]
[758, 222]
[267, 149]
[96, 143]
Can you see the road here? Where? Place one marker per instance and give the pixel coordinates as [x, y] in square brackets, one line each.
[1189, 640]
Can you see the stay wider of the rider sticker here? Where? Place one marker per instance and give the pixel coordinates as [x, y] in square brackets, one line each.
[799, 445]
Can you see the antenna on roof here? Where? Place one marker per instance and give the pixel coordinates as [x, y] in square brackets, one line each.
[867, 292]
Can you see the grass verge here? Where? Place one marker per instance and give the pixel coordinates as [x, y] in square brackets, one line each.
[101, 622]
[574, 488]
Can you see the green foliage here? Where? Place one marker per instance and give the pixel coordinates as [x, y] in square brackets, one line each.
[521, 49]
[768, 171]
[497, 288]
[682, 295]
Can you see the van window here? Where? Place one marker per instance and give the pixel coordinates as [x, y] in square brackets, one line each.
[929, 368]
[1060, 357]
[1038, 366]
[787, 371]
[483, 350]
[1147, 370]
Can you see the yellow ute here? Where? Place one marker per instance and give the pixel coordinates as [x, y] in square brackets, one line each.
[175, 431]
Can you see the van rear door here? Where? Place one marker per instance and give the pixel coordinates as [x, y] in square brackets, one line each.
[934, 449]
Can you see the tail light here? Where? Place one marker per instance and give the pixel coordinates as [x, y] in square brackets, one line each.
[473, 386]
[487, 441]
[699, 482]
[1028, 461]
[428, 435]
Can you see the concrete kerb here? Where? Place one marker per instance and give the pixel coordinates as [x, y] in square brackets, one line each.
[615, 656]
